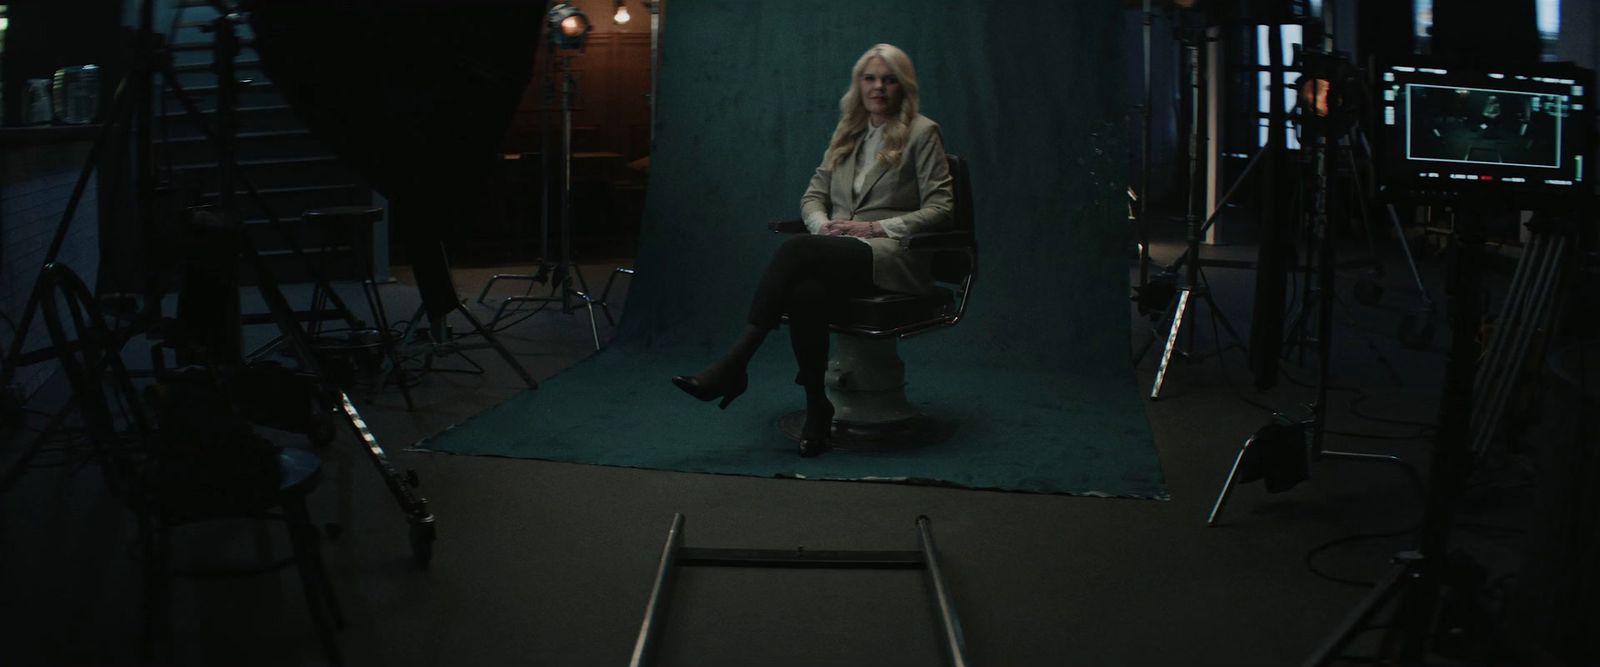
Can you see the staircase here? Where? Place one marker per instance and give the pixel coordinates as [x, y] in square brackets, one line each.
[290, 169]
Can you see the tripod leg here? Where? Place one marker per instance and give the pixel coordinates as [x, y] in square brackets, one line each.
[594, 329]
[1172, 343]
[1399, 232]
[582, 293]
[1221, 317]
[494, 342]
[387, 339]
[1227, 485]
[1361, 617]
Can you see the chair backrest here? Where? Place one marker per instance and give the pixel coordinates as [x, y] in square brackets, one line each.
[91, 357]
[956, 266]
[963, 192]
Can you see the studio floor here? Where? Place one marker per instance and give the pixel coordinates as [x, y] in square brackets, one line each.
[541, 563]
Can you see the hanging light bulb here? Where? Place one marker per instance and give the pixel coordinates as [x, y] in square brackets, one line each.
[622, 15]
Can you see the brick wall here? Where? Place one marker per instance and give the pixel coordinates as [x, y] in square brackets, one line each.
[36, 180]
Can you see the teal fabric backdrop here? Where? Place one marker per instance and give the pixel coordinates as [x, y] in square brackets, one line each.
[1037, 377]
[1028, 92]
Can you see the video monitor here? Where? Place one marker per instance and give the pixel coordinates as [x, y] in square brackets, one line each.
[1521, 132]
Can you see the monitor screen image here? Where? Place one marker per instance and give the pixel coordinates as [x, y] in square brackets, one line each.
[1484, 125]
[1447, 130]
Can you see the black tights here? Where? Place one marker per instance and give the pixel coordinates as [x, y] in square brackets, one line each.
[808, 278]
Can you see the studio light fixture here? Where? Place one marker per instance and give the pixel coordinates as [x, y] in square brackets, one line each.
[569, 27]
[621, 16]
[1330, 92]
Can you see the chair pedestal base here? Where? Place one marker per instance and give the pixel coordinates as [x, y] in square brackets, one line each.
[919, 431]
[867, 383]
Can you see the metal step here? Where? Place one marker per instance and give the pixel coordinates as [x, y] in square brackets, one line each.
[330, 249]
[272, 173]
[311, 237]
[274, 144]
[196, 29]
[178, 124]
[200, 54]
[252, 93]
[199, 72]
[292, 201]
[287, 267]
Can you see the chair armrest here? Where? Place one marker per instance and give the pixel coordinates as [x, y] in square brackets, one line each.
[790, 226]
[938, 241]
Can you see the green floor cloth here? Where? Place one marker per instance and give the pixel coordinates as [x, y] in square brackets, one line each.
[1036, 378]
[1013, 431]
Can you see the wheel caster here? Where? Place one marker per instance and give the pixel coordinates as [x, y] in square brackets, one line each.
[422, 537]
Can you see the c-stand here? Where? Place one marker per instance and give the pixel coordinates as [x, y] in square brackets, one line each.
[1194, 286]
[131, 108]
[1416, 329]
[561, 274]
[1283, 454]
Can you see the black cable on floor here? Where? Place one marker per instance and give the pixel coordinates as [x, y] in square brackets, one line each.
[1359, 395]
[1284, 373]
[1311, 556]
[1386, 420]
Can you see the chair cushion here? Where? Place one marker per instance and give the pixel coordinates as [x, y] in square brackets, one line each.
[891, 310]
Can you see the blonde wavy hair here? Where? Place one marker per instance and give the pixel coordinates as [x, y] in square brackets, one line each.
[853, 113]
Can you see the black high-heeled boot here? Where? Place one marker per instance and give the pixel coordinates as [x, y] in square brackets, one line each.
[720, 380]
[726, 378]
[818, 428]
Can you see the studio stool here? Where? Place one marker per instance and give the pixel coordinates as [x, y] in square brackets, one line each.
[348, 231]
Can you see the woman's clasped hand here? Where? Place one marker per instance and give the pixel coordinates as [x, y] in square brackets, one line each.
[857, 228]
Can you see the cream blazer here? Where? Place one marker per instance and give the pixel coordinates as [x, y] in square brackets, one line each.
[917, 190]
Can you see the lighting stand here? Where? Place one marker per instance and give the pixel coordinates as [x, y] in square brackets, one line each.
[1416, 577]
[1194, 289]
[1416, 329]
[542, 273]
[564, 273]
[1313, 429]
[131, 107]
[655, 60]
[1142, 224]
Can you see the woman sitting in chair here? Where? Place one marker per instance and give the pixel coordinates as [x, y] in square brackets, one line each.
[884, 176]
